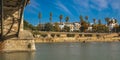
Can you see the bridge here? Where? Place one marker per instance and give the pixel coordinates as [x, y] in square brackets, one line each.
[11, 26]
[11, 18]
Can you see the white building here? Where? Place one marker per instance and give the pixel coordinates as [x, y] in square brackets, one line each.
[112, 24]
[61, 26]
[77, 26]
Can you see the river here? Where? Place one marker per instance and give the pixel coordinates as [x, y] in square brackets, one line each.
[68, 51]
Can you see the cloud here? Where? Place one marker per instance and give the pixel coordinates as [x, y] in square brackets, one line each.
[97, 4]
[115, 4]
[82, 3]
[62, 7]
[33, 6]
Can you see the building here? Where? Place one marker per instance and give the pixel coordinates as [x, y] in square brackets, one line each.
[112, 24]
[77, 26]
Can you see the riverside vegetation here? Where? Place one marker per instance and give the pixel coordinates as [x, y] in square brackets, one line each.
[97, 29]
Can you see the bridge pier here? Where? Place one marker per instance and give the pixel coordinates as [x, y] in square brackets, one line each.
[1, 18]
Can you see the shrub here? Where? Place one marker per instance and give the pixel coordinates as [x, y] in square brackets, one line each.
[70, 35]
[53, 35]
[88, 35]
[80, 35]
[58, 35]
[43, 35]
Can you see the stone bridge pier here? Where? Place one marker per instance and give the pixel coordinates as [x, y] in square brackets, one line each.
[12, 35]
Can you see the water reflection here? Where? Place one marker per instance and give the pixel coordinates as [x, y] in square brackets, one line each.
[68, 51]
[17, 56]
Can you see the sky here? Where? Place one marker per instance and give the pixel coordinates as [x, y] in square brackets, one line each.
[98, 9]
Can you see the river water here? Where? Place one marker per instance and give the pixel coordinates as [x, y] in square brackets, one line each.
[68, 51]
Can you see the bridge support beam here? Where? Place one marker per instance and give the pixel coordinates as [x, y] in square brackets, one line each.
[1, 19]
[21, 17]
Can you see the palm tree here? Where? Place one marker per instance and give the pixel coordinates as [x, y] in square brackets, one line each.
[40, 16]
[67, 19]
[86, 18]
[51, 17]
[81, 18]
[99, 22]
[115, 20]
[61, 17]
[94, 20]
[107, 19]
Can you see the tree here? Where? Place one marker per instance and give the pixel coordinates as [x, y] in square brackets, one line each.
[94, 20]
[81, 18]
[116, 28]
[49, 27]
[51, 17]
[82, 29]
[99, 22]
[28, 26]
[61, 17]
[115, 20]
[107, 19]
[86, 18]
[67, 19]
[40, 16]
[100, 28]
[56, 27]
[66, 29]
[84, 24]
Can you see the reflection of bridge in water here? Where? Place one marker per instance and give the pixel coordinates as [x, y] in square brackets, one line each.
[18, 56]
[12, 35]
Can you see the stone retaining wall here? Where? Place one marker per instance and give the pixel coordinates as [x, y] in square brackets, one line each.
[77, 37]
[83, 39]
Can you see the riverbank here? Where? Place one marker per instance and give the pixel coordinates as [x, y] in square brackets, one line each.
[52, 37]
[53, 40]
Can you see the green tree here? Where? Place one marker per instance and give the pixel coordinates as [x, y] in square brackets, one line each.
[61, 17]
[56, 27]
[94, 28]
[119, 28]
[82, 28]
[66, 29]
[116, 21]
[107, 19]
[49, 27]
[84, 24]
[67, 19]
[86, 18]
[94, 20]
[116, 28]
[50, 17]
[99, 22]
[40, 16]
[100, 28]
[81, 18]
[28, 26]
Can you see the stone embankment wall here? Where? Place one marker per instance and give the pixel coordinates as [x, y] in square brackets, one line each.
[17, 45]
[76, 37]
